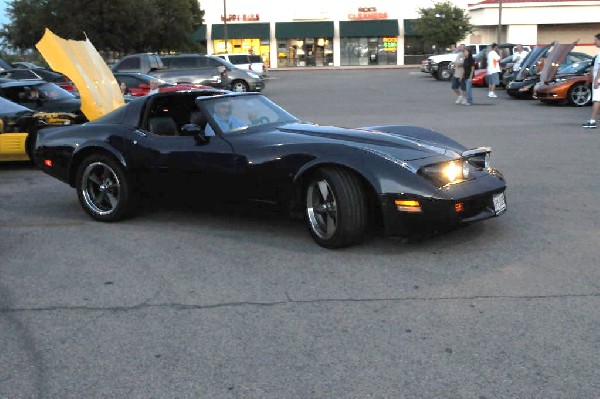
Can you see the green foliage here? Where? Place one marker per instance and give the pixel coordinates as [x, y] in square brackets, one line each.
[122, 26]
[443, 24]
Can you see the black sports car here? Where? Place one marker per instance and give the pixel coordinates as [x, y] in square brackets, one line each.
[244, 146]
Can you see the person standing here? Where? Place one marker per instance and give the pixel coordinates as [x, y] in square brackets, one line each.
[518, 57]
[591, 124]
[153, 86]
[458, 83]
[493, 69]
[469, 67]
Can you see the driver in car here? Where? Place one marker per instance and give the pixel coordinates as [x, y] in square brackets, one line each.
[222, 115]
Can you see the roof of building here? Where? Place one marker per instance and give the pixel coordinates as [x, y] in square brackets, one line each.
[523, 1]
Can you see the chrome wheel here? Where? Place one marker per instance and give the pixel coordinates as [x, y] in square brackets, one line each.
[100, 188]
[580, 95]
[321, 209]
[239, 86]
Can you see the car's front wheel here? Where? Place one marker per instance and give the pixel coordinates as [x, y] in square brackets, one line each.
[579, 95]
[239, 86]
[104, 188]
[336, 210]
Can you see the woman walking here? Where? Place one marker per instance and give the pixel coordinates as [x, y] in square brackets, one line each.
[469, 66]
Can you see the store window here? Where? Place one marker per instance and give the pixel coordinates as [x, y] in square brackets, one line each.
[301, 52]
[369, 50]
[245, 46]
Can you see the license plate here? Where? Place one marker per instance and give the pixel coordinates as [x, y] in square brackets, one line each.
[499, 203]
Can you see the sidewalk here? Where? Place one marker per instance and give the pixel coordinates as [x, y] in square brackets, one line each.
[350, 67]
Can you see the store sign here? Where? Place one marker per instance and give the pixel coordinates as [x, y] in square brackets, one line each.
[241, 17]
[367, 13]
[390, 43]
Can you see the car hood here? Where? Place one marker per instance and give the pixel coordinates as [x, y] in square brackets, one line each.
[10, 109]
[398, 146]
[80, 62]
[555, 58]
[533, 57]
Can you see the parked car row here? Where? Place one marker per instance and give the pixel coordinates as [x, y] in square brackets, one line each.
[198, 69]
[552, 73]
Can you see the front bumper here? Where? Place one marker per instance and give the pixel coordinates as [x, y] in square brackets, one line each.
[464, 205]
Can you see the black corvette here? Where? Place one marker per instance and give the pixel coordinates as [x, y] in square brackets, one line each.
[342, 180]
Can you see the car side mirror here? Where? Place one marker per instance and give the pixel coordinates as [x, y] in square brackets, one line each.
[191, 129]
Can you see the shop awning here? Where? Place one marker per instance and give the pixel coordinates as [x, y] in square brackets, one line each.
[241, 31]
[372, 28]
[200, 34]
[293, 30]
[409, 27]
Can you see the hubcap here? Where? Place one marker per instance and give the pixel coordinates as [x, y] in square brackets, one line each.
[100, 188]
[580, 95]
[321, 208]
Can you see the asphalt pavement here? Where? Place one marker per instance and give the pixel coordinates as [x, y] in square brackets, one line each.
[219, 302]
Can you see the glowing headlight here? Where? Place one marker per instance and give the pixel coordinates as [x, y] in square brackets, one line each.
[452, 171]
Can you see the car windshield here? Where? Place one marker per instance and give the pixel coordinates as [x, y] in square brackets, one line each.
[240, 112]
[51, 91]
[576, 67]
[222, 61]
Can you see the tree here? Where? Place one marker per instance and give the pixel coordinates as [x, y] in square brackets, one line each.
[112, 26]
[443, 24]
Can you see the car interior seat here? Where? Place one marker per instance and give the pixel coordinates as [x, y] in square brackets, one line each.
[198, 118]
[163, 126]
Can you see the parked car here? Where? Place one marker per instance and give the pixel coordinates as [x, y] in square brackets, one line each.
[18, 126]
[138, 84]
[25, 65]
[39, 95]
[440, 65]
[206, 70]
[251, 62]
[571, 83]
[39, 74]
[141, 63]
[559, 56]
[4, 65]
[506, 52]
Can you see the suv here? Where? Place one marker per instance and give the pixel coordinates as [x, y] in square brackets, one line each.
[141, 63]
[208, 70]
[439, 65]
[245, 61]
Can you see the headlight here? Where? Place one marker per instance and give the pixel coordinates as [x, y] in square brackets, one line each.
[253, 75]
[559, 80]
[447, 172]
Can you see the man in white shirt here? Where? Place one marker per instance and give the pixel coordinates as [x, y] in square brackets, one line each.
[591, 124]
[153, 86]
[493, 69]
[518, 57]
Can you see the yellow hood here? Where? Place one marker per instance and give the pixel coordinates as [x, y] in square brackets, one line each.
[81, 63]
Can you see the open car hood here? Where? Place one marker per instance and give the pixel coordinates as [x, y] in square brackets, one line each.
[555, 58]
[80, 62]
[533, 57]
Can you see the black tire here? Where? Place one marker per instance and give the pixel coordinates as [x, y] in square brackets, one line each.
[579, 94]
[104, 188]
[335, 208]
[444, 72]
[239, 86]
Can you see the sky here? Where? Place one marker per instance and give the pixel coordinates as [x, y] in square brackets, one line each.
[3, 18]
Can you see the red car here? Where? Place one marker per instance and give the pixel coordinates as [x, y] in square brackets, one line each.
[138, 84]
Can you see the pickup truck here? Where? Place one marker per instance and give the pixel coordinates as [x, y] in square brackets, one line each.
[439, 65]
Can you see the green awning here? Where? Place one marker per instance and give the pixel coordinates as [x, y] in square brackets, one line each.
[296, 30]
[371, 28]
[200, 34]
[409, 27]
[241, 31]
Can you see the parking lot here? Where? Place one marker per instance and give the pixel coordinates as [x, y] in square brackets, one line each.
[239, 302]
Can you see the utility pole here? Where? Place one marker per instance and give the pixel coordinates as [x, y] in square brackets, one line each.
[225, 23]
[499, 36]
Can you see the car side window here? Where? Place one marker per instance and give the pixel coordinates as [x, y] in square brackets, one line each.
[129, 63]
[212, 62]
[237, 59]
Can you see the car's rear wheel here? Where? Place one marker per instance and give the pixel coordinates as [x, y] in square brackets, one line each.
[579, 95]
[239, 86]
[104, 188]
[336, 208]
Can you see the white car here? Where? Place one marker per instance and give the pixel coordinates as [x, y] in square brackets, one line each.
[245, 61]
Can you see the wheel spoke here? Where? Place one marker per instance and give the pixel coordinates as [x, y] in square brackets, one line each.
[99, 198]
[114, 201]
[330, 225]
[324, 189]
[92, 177]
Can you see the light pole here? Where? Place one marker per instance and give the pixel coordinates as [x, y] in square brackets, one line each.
[498, 38]
[225, 23]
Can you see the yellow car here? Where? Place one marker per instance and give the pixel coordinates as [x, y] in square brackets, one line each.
[17, 123]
